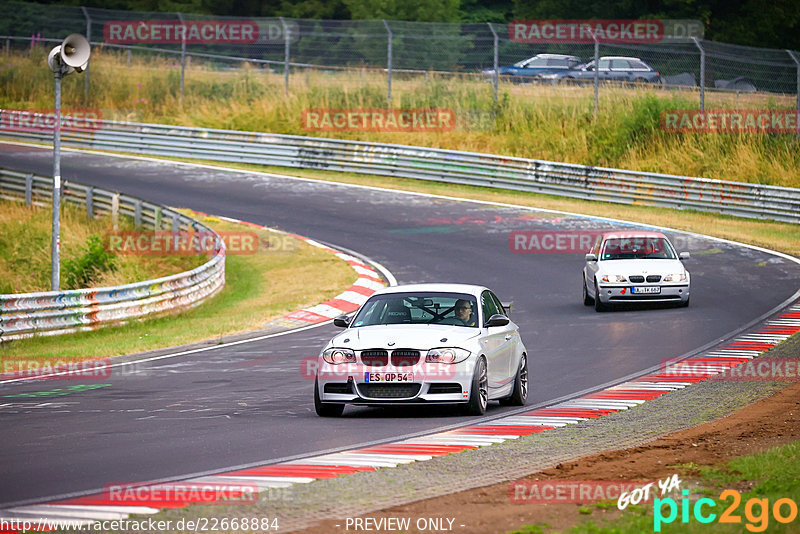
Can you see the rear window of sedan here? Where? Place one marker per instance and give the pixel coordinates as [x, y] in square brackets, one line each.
[637, 247]
[455, 309]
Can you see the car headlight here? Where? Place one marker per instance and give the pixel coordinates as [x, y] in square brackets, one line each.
[613, 278]
[446, 355]
[334, 356]
[680, 277]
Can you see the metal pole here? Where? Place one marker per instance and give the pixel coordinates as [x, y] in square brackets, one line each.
[702, 74]
[55, 244]
[88, 38]
[183, 54]
[496, 67]
[286, 51]
[797, 103]
[596, 71]
[389, 63]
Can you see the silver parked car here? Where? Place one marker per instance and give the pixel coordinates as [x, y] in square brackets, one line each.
[424, 344]
[634, 266]
[612, 68]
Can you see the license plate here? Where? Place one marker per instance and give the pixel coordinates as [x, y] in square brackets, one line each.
[646, 289]
[388, 377]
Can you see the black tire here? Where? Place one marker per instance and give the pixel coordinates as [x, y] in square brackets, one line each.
[520, 393]
[479, 396]
[598, 305]
[326, 409]
[640, 81]
[587, 300]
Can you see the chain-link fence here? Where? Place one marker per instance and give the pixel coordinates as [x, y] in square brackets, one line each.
[481, 51]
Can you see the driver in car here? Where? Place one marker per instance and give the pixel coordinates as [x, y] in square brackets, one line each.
[464, 312]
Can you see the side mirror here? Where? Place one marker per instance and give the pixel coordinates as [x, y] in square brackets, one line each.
[684, 256]
[342, 321]
[508, 306]
[497, 320]
[590, 257]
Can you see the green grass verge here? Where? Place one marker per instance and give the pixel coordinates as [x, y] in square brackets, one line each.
[765, 478]
[281, 278]
[537, 121]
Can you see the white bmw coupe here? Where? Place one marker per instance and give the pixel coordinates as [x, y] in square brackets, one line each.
[424, 344]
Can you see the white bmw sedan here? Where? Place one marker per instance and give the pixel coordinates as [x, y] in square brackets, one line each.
[634, 266]
[424, 344]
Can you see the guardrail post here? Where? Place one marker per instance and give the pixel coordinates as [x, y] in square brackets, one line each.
[702, 74]
[28, 189]
[596, 71]
[129, 56]
[183, 54]
[88, 65]
[137, 213]
[115, 210]
[176, 228]
[797, 103]
[157, 223]
[90, 202]
[495, 63]
[8, 47]
[389, 63]
[286, 52]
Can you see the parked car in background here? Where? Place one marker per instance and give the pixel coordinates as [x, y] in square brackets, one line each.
[611, 68]
[538, 64]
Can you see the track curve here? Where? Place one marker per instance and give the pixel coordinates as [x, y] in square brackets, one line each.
[249, 403]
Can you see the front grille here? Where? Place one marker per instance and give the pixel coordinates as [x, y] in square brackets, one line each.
[343, 388]
[444, 388]
[375, 357]
[405, 357]
[389, 391]
[636, 278]
[653, 278]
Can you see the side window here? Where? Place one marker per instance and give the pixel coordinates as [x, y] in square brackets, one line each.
[620, 64]
[498, 304]
[604, 64]
[537, 62]
[638, 65]
[488, 305]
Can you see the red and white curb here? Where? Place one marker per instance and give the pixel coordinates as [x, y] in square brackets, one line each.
[368, 282]
[740, 350]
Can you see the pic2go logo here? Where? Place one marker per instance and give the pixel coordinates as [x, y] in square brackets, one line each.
[757, 521]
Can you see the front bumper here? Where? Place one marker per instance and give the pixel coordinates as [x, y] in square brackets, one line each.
[431, 383]
[621, 293]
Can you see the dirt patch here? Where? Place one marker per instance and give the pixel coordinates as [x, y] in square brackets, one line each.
[770, 422]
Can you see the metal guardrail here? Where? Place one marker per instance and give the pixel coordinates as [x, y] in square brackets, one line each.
[57, 312]
[449, 166]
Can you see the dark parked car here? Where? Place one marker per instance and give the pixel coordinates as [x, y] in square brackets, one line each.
[612, 68]
[538, 64]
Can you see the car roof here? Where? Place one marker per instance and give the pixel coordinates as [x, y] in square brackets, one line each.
[431, 287]
[621, 57]
[553, 56]
[624, 234]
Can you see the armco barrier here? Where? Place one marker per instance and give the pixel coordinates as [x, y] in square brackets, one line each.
[451, 166]
[58, 312]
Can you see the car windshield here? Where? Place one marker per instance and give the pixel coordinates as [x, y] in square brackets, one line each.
[626, 248]
[454, 309]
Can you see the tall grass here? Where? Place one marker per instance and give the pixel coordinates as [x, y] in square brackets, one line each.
[539, 121]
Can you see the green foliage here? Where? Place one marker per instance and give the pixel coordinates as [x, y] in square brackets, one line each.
[80, 271]
[416, 10]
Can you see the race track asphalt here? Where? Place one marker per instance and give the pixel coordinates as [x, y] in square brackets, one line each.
[249, 403]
